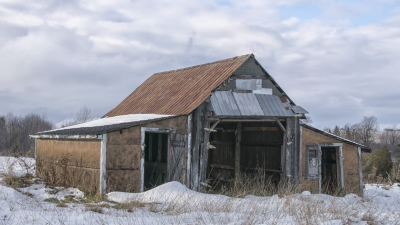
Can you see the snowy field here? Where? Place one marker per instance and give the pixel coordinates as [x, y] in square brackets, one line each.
[173, 203]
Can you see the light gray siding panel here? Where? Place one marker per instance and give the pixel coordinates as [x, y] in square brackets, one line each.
[248, 104]
[299, 109]
[264, 106]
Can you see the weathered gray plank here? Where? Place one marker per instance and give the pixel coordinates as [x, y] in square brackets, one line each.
[237, 148]
[204, 152]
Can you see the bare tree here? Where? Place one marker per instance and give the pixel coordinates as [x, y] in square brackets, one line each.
[368, 127]
[83, 115]
[15, 131]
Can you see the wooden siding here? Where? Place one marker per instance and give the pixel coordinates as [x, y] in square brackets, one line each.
[350, 161]
[123, 154]
[80, 169]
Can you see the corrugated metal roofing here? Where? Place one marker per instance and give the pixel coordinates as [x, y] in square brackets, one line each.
[178, 92]
[314, 128]
[299, 109]
[109, 124]
[226, 103]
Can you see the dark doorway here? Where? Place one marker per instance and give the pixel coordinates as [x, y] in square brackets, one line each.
[260, 150]
[155, 155]
[329, 169]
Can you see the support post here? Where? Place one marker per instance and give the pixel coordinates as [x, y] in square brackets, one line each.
[204, 152]
[189, 142]
[289, 146]
[341, 167]
[159, 147]
[301, 158]
[360, 172]
[237, 148]
[103, 170]
[36, 169]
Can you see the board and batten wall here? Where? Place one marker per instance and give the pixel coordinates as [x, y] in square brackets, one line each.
[350, 162]
[123, 154]
[70, 163]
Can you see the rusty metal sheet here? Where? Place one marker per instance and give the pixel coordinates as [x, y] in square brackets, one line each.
[178, 92]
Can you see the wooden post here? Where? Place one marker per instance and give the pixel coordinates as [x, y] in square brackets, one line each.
[301, 157]
[295, 150]
[103, 170]
[289, 146]
[189, 147]
[237, 148]
[159, 147]
[150, 147]
[36, 169]
[360, 172]
[204, 150]
[341, 167]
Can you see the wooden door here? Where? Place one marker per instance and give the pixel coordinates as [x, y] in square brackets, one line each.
[176, 158]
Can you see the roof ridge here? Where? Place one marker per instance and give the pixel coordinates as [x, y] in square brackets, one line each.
[205, 64]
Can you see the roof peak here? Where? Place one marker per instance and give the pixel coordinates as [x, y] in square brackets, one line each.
[247, 56]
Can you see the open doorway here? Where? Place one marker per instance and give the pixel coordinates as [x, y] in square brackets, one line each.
[156, 159]
[329, 168]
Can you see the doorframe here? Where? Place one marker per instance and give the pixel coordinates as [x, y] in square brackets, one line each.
[340, 156]
[143, 131]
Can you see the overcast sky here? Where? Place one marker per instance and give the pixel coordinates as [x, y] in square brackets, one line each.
[340, 60]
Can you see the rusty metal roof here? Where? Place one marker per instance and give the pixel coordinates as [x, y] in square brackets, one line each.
[178, 92]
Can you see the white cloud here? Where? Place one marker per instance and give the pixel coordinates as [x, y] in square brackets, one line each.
[56, 57]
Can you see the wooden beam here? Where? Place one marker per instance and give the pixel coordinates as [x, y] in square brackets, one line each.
[237, 148]
[103, 170]
[261, 129]
[281, 126]
[215, 124]
[222, 167]
[54, 136]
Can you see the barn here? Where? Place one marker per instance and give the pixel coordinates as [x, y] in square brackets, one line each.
[218, 120]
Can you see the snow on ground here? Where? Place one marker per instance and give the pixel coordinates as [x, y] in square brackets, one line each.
[173, 203]
[17, 166]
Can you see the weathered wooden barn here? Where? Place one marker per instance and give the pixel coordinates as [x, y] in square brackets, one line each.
[217, 120]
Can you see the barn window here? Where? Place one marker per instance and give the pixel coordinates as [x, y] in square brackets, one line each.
[312, 170]
[249, 84]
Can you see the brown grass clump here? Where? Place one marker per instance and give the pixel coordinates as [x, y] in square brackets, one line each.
[129, 206]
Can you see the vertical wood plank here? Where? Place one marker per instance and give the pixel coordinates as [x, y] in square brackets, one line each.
[289, 147]
[159, 147]
[237, 148]
[360, 172]
[204, 151]
[189, 146]
[36, 168]
[301, 158]
[142, 145]
[341, 167]
[103, 171]
[150, 156]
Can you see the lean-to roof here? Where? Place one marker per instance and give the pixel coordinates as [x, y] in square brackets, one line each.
[107, 125]
[178, 92]
[314, 128]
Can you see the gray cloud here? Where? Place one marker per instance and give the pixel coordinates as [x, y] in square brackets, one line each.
[56, 56]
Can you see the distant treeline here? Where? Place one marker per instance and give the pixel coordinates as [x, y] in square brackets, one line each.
[15, 131]
[367, 132]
